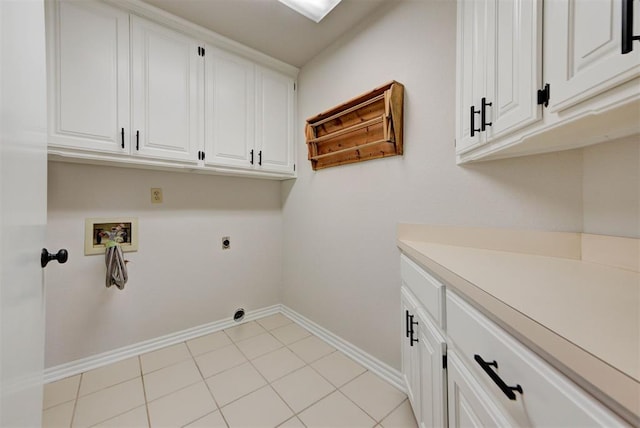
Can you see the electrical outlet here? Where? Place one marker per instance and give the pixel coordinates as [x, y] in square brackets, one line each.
[156, 195]
[226, 242]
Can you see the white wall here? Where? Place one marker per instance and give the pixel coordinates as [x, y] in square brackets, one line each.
[611, 188]
[180, 277]
[341, 264]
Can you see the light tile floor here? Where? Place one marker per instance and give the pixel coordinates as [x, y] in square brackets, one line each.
[265, 373]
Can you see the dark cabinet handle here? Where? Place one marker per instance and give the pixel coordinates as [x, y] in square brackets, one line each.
[412, 339]
[486, 366]
[251, 154]
[45, 257]
[483, 115]
[203, 155]
[627, 27]
[137, 140]
[260, 157]
[473, 121]
[122, 135]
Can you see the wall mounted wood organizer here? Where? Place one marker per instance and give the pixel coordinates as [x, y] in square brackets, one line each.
[366, 127]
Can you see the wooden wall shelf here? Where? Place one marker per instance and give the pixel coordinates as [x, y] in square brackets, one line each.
[366, 127]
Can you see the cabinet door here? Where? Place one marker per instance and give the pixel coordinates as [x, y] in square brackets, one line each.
[274, 141]
[166, 102]
[89, 76]
[432, 351]
[471, 71]
[229, 110]
[410, 355]
[582, 50]
[468, 405]
[514, 66]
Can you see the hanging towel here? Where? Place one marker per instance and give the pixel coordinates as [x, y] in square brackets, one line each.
[116, 266]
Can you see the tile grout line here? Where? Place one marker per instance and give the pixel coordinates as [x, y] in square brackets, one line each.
[206, 384]
[144, 391]
[75, 403]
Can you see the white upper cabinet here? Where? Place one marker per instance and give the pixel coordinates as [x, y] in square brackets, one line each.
[514, 66]
[89, 76]
[274, 138]
[583, 49]
[144, 89]
[167, 73]
[499, 68]
[533, 81]
[471, 71]
[230, 103]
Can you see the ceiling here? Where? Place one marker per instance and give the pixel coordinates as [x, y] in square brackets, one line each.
[271, 27]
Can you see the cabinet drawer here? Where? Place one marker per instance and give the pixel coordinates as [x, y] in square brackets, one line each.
[548, 398]
[428, 290]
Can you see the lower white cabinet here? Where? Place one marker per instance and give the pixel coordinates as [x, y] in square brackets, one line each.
[423, 364]
[476, 374]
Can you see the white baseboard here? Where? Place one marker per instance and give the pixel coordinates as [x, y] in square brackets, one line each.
[72, 368]
[374, 365]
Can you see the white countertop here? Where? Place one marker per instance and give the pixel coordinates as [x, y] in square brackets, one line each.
[582, 316]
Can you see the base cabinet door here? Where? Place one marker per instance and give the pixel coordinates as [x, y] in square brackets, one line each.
[583, 49]
[410, 353]
[432, 353]
[167, 85]
[88, 45]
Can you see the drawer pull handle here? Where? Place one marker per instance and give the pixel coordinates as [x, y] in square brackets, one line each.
[486, 366]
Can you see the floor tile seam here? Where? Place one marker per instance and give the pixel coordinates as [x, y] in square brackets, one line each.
[243, 395]
[376, 422]
[292, 417]
[258, 356]
[106, 387]
[392, 410]
[284, 375]
[360, 407]
[176, 390]
[168, 365]
[44, 409]
[215, 401]
[323, 376]
[115, 416]
[317, 401]
[200, 417]
[273, 328]
[119, 414]
[75, 404]
[273, 389]
[144, 391]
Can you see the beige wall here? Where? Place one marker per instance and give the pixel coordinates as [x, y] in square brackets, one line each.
[341, 265]
[611, 188]
[180, 277]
